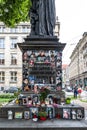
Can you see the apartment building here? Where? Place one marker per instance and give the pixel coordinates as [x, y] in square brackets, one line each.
[10, 54]
[65, 75]
[78, 64]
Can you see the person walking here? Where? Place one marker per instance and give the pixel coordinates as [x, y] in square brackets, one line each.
[79, 91]
[75, 92]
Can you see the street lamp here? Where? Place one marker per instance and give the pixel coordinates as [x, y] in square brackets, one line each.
[57, 27]
[78, 63]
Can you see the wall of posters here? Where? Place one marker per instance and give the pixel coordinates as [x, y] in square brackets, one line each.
[42, 67]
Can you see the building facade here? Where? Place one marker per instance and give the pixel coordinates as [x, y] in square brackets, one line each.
[78, 65]
[10, 54]
[65, 75]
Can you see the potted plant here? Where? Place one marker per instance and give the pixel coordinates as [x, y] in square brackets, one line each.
[68, 100]
[42, 115]
[43, 94]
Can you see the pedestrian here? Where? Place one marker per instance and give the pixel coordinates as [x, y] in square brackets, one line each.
[75, 92]
[79, 91]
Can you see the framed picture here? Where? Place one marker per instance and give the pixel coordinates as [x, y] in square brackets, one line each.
[50, 112]
[74, 114]
[25, 101]
[79, 114]
[66, 113]
[33, 110]
[18, 115]
[35, 99]
[26, 114]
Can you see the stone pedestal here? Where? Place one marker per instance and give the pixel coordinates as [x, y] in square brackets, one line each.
[42, 61]
[42, 43]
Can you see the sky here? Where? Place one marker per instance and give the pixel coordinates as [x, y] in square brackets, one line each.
[72, 15]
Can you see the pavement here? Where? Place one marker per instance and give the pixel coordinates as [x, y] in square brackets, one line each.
[81, 103]
[54, 123]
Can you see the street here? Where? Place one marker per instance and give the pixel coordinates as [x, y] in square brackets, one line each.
[83, 95]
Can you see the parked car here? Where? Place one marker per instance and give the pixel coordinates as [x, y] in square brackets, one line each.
[1, 91]
[11, 90]
[69, 89]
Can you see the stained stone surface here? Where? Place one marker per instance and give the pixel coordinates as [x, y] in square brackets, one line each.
[54, 123]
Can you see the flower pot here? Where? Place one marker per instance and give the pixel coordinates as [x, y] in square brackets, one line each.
[58, 116]
[43, 118]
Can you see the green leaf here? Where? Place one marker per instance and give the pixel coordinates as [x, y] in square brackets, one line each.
[14, 11]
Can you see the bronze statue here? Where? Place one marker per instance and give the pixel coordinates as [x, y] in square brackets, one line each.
[34, 17]
[42, 17]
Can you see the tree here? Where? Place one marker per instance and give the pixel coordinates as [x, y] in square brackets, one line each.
[14, 11]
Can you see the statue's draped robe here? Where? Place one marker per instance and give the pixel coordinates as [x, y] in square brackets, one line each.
[46, 17]
[43, 17]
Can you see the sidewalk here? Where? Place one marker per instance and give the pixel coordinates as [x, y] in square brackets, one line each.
[53, 124]
[83, 104]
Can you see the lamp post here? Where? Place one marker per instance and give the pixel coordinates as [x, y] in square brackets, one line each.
[78, 64]
[57, 27]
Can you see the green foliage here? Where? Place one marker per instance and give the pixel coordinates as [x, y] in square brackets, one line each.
[85, 100]
[43, 93]
[42, 114]
[17, 93]
[14, 11]
[3, 100]
[7, 96]
[68, 100]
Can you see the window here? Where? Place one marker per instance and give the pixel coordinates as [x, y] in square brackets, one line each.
[13, 76]
[25, 29]
[2, 29]
[86, 64]
[28, 29]
[14, 30]
[2, 76]
[2, 43]
[13, 43]
[13, 59]
[2, 60]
